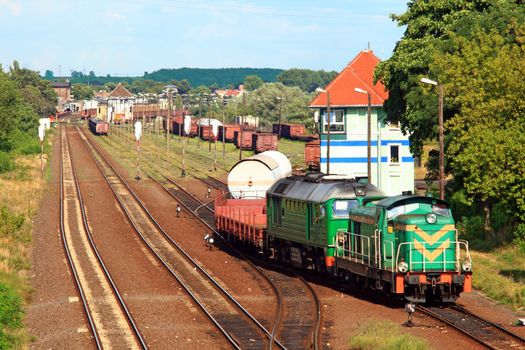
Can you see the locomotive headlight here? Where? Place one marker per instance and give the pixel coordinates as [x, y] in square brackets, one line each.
[402, 267]
[466, 266]
[211, 240]
[431, 218]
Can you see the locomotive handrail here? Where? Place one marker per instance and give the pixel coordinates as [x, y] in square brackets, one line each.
[457, 245]
[352, 247]
[391, 259]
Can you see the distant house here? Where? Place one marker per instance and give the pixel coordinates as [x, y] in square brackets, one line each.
[120, 105]
[63, 91]
[392, 162]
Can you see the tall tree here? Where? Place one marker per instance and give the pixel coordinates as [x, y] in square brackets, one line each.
[482, 66]
[252, 82]
[427, 25]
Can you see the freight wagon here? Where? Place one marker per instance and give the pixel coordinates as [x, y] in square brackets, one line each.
[289, 131]
[262, 142]
[98, 126]
[312, 154]
[228, 130]
[246, 139]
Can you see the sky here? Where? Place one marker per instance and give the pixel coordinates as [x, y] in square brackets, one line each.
[130, 37]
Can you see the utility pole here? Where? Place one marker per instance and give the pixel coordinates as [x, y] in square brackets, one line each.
[168, 123]
[223, 136]
[441, 145]
[199, 124]
[242, 124]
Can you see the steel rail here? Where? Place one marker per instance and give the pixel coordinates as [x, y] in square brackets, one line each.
[176, 245]
[218, 234]
[493, 324]
[66, 248]
[218, 184]
[99, 257]
[471, 335]
[271, 335]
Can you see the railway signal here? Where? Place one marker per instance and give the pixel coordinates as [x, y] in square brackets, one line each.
[138, 135]
[41, 136]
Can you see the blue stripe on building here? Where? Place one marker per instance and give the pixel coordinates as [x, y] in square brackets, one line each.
[337, 143]
[363, 160]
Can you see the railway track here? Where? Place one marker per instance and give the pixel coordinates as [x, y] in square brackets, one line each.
[108, 316]
[237, 325]
[487, 333]
[297, 327]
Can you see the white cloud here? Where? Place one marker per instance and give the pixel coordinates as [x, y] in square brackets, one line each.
[114, 16]
[13, 6]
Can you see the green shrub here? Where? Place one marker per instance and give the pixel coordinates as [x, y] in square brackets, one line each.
[24, 143]
[10, 223]
[10, 316]
[6, 163]
[384, 335]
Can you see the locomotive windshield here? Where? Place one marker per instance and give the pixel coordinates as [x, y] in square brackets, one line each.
[341, 207]
[436, 208]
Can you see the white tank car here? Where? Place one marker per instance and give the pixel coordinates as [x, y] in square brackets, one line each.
[253, 176]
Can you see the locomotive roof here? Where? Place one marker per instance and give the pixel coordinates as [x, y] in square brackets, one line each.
[320, 188]
[395, 201]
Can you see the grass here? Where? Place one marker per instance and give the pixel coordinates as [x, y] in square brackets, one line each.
[384, 335]
[199, 160]
[501, 275]
[21, 187]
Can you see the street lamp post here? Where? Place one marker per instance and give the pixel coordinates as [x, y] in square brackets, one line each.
[328, 128]
[369, 134]
[441, 136]
[280, 116]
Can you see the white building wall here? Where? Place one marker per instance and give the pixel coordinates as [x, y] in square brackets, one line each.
[348, 154]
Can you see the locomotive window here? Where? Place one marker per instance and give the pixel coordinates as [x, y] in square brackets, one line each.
[440, 209]
[340, 208]
[402, 209]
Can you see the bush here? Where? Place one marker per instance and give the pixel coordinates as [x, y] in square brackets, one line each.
[10, 223]
[10, 316]
[24, 143]
[384, 335]
[6, 163]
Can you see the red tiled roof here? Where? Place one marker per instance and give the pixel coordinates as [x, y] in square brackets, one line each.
[232, 92]
[359, 73]
[120, 91]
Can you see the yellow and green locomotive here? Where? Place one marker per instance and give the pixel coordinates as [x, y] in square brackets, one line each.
[407, 245]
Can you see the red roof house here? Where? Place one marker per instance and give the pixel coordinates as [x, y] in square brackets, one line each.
[359, 73]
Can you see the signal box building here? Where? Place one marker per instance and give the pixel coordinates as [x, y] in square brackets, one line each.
[391, 160]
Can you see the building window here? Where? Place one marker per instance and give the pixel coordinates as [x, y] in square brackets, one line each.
[393, 125]
[130, 109]
[337, 121]
[394, 154]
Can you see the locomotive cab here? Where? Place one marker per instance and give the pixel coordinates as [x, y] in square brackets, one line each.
[430, 260]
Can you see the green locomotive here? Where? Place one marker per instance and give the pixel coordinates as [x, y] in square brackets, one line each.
[306, 213]
[406, 245]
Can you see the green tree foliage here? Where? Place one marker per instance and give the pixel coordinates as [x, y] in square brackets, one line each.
[82, 92]
[209, 76]
[49, 74]
[252, 82]
[482, 66]
[272, 99]
[306, 79]
[37, 92]
[427, 24]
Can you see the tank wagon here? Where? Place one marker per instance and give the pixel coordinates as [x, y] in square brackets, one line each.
[98, 126]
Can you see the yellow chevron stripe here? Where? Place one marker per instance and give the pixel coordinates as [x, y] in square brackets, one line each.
[431, 256]
[431, 238]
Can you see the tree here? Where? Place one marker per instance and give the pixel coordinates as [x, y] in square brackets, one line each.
[82, 92]
[252, 82]
[36, 92]
[482, 66]
[49, 74]
[306, 79]
[428, 23]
